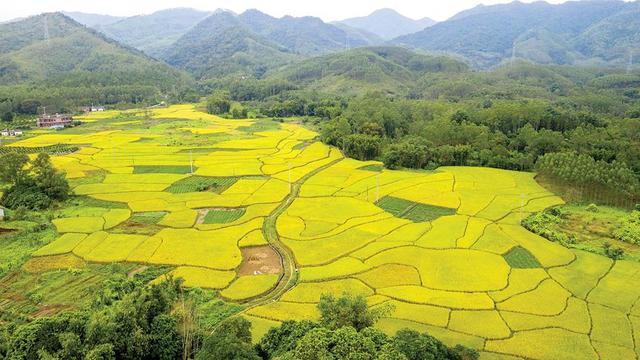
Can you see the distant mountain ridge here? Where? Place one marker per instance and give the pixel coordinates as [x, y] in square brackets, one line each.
[252, 43]
[572, 33]
[92, 20]
[302, 35]
[153, 33]
[388, 24]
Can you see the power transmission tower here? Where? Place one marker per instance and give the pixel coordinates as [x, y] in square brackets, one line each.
[46, 29]
[630, 65]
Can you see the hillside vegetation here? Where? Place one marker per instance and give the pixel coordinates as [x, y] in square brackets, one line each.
[50, 58]
[221, 46]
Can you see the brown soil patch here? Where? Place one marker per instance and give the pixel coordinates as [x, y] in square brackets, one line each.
[49, 263]
[202, 213]
[260, 260]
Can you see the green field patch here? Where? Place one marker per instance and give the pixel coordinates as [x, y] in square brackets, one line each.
[59, 149]
[87, 201]
[201, 184]
[413, 211]
[135, 228]
[260, 125]
[301, 146]
[372, 167]
[148, 218]
[163, 169]
[223, 216]
[520, 258]
[91, 177]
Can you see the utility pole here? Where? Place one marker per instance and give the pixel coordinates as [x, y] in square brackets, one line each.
[191, 160]
[290, 186]
[378, 187]
[522, 198]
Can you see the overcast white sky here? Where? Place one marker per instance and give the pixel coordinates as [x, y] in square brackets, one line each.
[328, 10]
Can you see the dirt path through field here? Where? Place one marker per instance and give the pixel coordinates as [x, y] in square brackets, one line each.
[289, 276]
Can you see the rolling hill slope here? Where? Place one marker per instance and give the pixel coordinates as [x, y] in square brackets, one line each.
[55, 55]
[385, 68]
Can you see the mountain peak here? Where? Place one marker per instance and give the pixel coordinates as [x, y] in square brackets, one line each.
[388, 23]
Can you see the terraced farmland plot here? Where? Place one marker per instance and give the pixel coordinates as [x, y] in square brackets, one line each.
[445, 248]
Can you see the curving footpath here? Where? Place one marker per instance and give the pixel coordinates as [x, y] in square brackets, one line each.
[289, 276]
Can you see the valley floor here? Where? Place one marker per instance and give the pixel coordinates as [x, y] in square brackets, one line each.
[189, 190]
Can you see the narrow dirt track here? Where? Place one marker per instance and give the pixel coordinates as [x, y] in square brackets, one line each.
[289, 276]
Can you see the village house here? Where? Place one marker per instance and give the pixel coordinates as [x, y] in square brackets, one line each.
[57, 120]
[89, 109]
[10, 133]
[1, 213]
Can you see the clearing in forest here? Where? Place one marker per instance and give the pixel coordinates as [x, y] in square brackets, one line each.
[445, 248]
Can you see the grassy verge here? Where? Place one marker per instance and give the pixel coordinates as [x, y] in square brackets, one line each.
[586, 227]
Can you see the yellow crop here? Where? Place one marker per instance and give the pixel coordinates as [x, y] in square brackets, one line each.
[246, 287]
[63, 245]
[203, 278]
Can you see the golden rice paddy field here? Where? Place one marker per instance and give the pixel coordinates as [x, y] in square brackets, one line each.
[445, 248]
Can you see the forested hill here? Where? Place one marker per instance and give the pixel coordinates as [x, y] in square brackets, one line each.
[302, 35]
[53, 56]
[578, 33]
[252, 43]
[222, 46]
[388, 69]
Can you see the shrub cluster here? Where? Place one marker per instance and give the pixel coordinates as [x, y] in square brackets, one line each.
[34, 184]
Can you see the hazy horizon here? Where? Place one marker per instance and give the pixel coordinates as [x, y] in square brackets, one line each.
[328, 10]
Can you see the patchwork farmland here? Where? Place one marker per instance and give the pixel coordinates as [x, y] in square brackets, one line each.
[177, 187]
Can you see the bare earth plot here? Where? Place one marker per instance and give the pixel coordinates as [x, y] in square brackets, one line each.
[445, 247]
